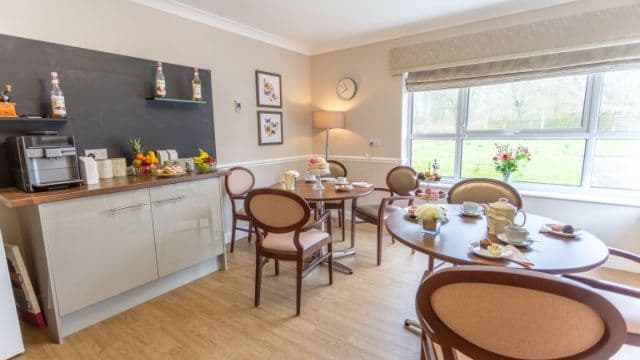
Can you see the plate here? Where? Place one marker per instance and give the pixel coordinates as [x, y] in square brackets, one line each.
[170, 175]
[480, 251]
[344, 188]
[547, 229]
[526, 243]
[475, 214]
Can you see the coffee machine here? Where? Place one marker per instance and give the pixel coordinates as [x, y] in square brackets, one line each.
[43, 162]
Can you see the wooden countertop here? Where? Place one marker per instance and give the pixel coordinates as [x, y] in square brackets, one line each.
[12, 197]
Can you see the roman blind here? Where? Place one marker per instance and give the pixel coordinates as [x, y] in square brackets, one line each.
[588, 42]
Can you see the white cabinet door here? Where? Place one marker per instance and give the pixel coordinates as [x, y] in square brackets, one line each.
[187, 222]
[99, 246]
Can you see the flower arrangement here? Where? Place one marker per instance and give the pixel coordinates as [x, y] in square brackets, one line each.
[507, 159]
[429, 212]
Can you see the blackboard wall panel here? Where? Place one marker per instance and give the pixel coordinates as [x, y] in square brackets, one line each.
[105, 98]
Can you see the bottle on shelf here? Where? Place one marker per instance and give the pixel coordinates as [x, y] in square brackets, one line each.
[196, 85]
[58, 108]
[161, 88]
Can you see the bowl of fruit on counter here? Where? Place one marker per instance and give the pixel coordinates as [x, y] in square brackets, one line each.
[142, 163]
[204, 162]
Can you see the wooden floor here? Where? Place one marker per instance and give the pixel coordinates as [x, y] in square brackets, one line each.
[359, 317]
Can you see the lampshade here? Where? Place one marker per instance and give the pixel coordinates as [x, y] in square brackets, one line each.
[328, 119]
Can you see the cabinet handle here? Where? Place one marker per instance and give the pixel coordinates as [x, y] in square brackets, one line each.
[177, 198]
[130, 207]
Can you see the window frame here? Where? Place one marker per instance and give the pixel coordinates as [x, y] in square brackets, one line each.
[587, 132]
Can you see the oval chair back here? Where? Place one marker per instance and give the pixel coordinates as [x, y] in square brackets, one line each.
[277, 211]
[337, 169]
[239, 181]
[500, 313]
[403, 180]
[483, 190]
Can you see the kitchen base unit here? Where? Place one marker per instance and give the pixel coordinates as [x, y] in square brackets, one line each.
[114, 247]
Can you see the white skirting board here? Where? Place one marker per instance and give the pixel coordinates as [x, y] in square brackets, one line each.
[93, 314]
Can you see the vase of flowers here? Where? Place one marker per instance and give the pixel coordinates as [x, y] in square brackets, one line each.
[507, 159]
[431, 218]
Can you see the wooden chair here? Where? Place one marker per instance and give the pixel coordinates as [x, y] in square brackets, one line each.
[280, 217]
[625, 298]
[337, 169]
[402, 183]
[483, 190]
[492, 313]
[237, 184]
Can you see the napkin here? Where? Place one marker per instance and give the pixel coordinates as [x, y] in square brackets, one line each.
[519, 256]
[362, 184]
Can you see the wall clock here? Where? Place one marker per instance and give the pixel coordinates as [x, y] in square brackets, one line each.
[346, 88]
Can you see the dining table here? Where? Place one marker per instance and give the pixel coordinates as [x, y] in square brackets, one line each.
[329, 193]
[547, 252]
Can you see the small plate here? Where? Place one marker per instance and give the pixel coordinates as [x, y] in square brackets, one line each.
[526, 243]
[480, 251]
[344, 188]
[475, 214]
[547, 229]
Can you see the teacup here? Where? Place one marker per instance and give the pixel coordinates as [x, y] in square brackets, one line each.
[341, 180]
[310, 177]
[516, 234]
[470, 207]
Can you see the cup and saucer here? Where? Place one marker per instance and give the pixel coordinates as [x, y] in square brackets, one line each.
[516, 236]
[341, 180]
[471, 209]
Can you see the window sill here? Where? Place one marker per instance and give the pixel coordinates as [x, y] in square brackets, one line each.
[632, 198]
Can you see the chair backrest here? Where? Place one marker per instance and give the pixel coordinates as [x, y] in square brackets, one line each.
[483, 190]
[277, 211]
[500, 313]
[337, 168]
[239, 181]
[402, 180]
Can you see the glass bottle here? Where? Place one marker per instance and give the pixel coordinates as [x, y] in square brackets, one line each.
[161, 88]
[58, 108]
[196, 85]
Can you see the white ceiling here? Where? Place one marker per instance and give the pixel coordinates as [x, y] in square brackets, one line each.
[318, 26]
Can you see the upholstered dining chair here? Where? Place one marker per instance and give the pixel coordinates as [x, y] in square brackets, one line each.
[625, 298]
[483, 190]
[489, 313]
[402, 184]
[237, 184]
[336, 169]
[281, 219]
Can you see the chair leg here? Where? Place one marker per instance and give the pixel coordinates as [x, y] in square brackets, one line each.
[258, 279]
[341, 214]
[379, 239]
[298, 285]
[250, 228]
[277, 267]
[330, 262]
[233, 233]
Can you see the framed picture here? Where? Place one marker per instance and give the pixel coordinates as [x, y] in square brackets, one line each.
[268, 89]
[270, 128]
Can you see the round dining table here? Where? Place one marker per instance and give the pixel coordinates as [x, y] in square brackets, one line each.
[320, 197]
[549, 253]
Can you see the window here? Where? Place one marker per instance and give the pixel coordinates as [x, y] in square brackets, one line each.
[582, 130]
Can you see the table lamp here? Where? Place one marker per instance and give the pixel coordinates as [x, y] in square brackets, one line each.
[328, 120]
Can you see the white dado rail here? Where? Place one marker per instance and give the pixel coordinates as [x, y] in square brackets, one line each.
[100, 254]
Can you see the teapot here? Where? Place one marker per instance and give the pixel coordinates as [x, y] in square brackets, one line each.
[501, 212]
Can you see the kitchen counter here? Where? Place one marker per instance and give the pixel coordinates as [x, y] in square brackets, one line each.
[13, 197]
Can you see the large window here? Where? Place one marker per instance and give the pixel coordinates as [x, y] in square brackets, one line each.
[582, 130]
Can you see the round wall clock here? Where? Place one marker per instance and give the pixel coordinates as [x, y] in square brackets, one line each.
[346, 88]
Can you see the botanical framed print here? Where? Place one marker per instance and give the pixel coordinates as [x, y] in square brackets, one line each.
[268, 89]
[270, 128]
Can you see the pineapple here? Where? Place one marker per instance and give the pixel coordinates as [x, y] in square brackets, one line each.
[136, 145]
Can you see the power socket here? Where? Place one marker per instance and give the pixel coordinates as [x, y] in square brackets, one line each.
[97, 154]
[375, 142]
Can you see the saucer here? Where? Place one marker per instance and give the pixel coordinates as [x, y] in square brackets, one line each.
[471, 214]
[503, 237]
[480, 251]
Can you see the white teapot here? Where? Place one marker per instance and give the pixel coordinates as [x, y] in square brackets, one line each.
[500, 213]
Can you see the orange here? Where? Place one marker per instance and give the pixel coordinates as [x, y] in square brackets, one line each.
[139, 156]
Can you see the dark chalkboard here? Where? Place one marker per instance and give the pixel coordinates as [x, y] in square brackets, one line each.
[106, 101]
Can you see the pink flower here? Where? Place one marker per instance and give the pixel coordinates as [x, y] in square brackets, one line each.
[505, 156]
[495, 158]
